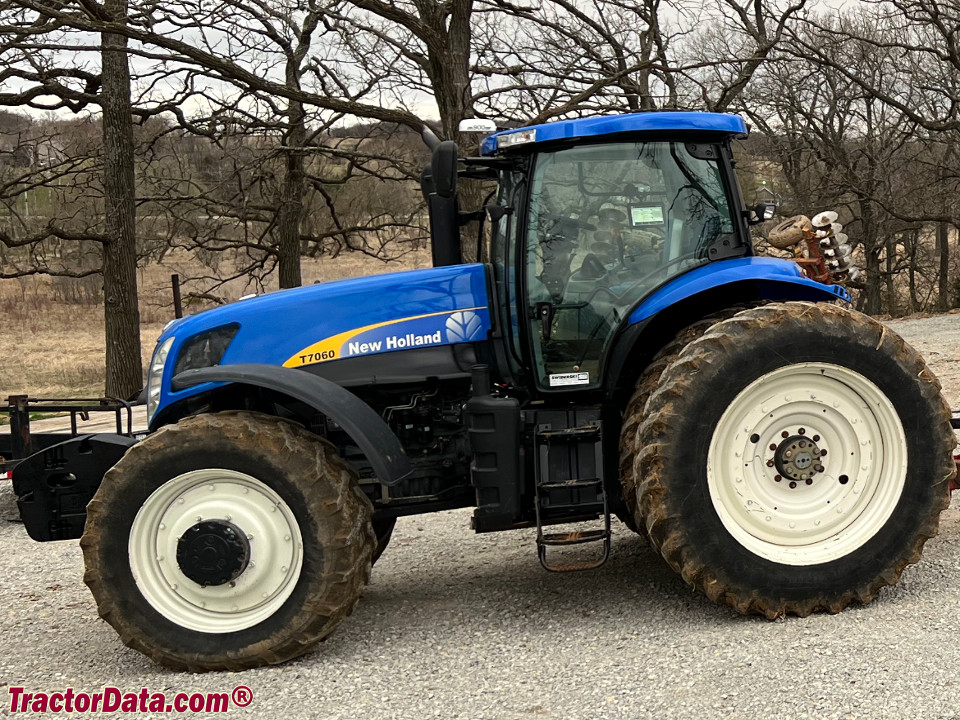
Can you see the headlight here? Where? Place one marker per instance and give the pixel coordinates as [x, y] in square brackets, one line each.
[206, 349]
[155, 376]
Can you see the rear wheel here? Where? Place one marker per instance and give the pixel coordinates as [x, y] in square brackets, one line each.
[227, 541]
[795, 458]
[634, 413]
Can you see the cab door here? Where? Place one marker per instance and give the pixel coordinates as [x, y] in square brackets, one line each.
[607, 224]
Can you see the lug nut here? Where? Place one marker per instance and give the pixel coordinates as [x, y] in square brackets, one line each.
[784, 434]
[822, 453]
[773, 447]
[792, 485]
[801, 431]
[809, 481]
[770, 463]
[816, 438]
[777, 478]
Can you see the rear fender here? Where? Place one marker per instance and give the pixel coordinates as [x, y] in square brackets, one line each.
[771, 278]
[695, 295]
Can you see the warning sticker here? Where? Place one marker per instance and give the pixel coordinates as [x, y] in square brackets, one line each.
[577, 378]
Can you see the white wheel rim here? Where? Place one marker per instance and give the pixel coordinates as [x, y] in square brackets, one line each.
[845, 504]
[276, 550]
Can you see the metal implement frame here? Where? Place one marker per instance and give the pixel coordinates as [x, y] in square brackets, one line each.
[21, 443]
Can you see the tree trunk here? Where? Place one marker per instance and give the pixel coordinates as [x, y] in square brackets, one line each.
[292, 192]
[448, 51]
[871, 250]
[943, 272]
[448, 66]
[121, 304]
[913, 238]
[891, 294]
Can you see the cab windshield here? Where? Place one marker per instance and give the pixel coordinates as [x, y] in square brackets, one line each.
[607, 224]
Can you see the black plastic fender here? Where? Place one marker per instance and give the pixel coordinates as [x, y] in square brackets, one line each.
[361, 422]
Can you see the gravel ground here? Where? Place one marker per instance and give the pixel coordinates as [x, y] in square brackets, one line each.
[456, 625]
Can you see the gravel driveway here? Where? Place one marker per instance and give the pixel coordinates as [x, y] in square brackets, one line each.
[456, 625]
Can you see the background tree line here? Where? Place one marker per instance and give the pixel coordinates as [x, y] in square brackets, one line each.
[255, 134]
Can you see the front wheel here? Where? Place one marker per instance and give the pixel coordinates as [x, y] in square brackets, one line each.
[227, 541]
[383, 529]
[795, 458]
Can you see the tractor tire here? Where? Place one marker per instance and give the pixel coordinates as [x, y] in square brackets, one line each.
[227, 541]
[795, 458]
[633, 415]
[383, 529]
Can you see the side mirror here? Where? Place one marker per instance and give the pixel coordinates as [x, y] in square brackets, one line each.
[761, 213]
[426, 182]
[444, 169]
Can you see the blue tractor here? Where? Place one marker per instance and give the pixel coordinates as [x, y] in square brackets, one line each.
[617, 350]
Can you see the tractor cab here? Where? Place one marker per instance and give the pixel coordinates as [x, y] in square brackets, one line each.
[592, 216]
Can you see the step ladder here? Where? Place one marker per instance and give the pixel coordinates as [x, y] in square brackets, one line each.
[568, 466]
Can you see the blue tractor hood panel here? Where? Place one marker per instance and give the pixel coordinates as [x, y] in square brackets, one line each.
[342, 319]
[776, 280]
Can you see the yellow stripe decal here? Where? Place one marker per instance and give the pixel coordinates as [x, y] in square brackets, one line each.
[331, 348]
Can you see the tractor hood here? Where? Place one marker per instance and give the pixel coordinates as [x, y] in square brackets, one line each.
[329, 322]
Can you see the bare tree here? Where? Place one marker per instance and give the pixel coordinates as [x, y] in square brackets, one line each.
[561, 58]
[30, 43]
[124, 365]
[839, 143]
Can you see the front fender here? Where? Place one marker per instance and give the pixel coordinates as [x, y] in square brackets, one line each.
[774, 279]
[372, 435]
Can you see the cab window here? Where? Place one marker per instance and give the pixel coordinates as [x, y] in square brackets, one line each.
[607, 224]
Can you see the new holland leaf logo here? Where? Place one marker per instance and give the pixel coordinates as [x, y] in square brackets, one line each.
[463, 326]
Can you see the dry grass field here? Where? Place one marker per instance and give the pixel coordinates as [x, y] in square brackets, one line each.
[51, 330]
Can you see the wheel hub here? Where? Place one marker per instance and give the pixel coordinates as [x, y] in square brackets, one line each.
[213, 552]
[797, 458]
[263, 552]
[755, 454]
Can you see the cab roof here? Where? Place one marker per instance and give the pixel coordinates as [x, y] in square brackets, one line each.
[609, 124]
